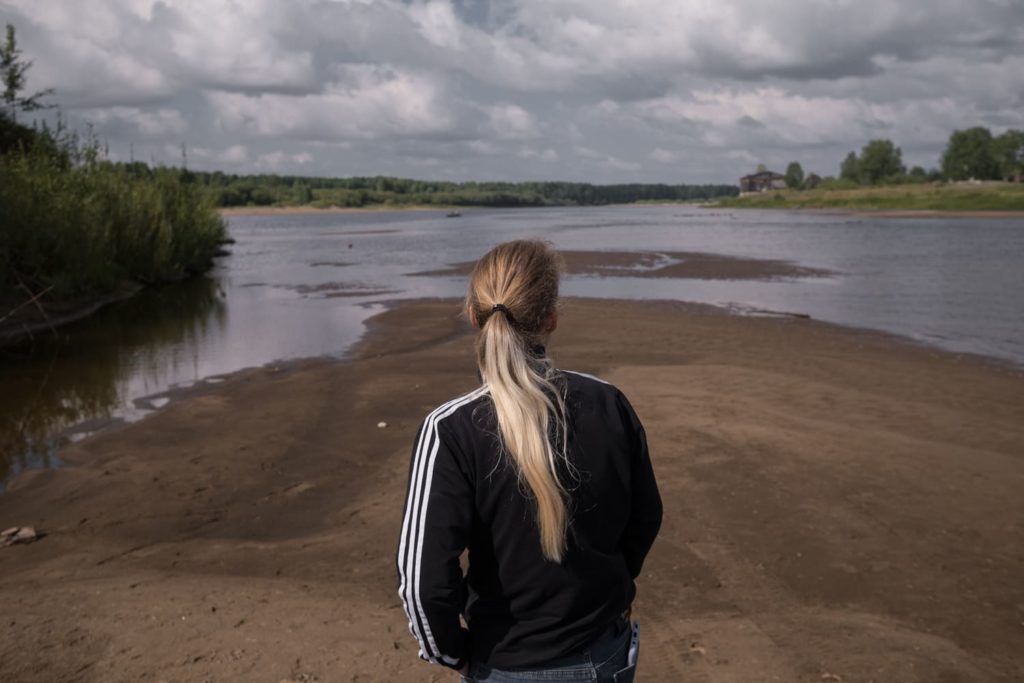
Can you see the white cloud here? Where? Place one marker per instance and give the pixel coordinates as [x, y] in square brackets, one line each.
[279, 161]
[437, 23]
[235, 154]
[744, 156]
[161, 122]
[231, 156]
[626, 89]
[511, 122]
[374, 102]
[664, 156]
[547, 155]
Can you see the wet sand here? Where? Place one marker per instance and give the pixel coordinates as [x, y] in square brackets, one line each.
[663, 264]
[840, 506]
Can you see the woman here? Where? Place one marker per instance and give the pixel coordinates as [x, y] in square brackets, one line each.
[544, 476]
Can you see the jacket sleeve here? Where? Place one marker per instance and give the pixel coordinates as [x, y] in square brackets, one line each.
[645, 501]
[435, 531]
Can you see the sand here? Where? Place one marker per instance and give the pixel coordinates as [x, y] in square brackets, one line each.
[839, 506]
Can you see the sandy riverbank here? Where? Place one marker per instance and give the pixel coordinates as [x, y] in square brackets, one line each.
[840, 506]
[881, 213]
[685, 265]
[917, 213]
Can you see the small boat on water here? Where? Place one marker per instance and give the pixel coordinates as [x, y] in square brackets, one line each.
[453, 214]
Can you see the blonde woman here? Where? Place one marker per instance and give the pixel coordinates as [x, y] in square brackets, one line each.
[544, 476]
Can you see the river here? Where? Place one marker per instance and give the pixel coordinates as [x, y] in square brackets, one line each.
[299, 286]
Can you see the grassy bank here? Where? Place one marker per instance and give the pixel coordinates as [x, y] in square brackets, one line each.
[76, 228]
[923, 197]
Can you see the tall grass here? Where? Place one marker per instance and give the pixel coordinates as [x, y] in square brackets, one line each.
[925, 197]
[76, 226]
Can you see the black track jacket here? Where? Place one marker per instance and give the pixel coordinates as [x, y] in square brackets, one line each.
[521, 609]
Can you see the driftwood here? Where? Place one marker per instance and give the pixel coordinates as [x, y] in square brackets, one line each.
[13, 331]
[33, 300]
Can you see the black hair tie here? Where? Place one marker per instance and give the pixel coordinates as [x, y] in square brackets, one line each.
[503, 309]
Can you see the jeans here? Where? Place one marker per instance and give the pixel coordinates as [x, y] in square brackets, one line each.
[606, 659]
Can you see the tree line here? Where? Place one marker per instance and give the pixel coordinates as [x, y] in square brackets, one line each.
[974, 153]
[286, 190]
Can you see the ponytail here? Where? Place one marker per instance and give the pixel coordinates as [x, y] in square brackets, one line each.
[513, 292]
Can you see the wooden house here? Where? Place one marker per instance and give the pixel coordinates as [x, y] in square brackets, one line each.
[762, 182]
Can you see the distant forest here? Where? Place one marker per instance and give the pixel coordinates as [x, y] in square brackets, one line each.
[275, 190]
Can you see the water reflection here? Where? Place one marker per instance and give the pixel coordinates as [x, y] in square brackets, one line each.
[87, 371]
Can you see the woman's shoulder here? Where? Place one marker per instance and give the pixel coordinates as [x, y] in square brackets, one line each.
[597, 396]
[452, 406]
[585, 384]
[584, 378]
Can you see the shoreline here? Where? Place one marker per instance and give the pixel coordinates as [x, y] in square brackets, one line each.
[236, 530]
[313, 210]
[370, 336]
[878, 213]
[890, 213]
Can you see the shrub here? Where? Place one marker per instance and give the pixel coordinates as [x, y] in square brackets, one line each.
[77, 226]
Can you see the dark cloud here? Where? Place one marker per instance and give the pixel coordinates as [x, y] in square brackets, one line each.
[606, 90]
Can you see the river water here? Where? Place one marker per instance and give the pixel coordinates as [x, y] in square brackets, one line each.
[302, 286]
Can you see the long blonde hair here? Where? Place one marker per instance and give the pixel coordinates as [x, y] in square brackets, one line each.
[513, 294]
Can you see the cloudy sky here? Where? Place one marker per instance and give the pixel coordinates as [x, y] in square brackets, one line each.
[597, 90]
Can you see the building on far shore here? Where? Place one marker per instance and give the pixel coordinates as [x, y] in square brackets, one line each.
[762, 181]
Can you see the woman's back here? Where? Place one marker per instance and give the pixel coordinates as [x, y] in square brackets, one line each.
[522, 609]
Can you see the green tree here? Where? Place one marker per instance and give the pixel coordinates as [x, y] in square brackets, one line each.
[850, 168]
[880, 159]
[971, 154]
[794, 175]
[1009, 152]
[12, 73]
[301, 194]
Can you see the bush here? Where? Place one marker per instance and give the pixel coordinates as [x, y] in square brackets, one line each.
[77, 226]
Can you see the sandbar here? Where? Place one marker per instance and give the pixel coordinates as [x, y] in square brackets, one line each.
[663, 264]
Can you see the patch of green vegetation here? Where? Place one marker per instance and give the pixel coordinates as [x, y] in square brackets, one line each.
[912, 197]
[75, 227]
